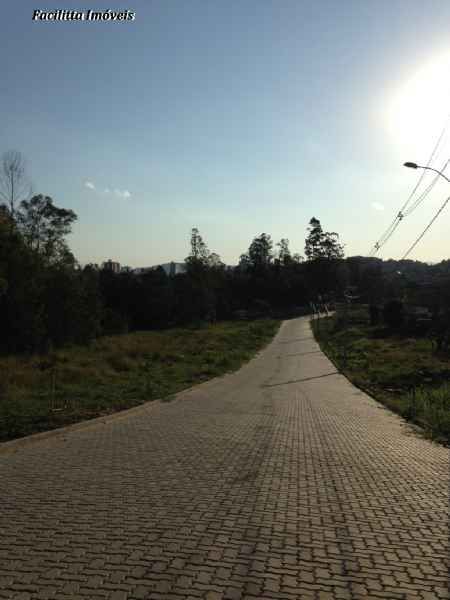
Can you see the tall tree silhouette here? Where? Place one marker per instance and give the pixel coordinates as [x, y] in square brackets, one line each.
[320, 244]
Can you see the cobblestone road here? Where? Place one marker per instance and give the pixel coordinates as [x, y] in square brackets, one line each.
[281, 481]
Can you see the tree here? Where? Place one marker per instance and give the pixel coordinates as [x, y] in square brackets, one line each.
[323, 252]
[215, 261]
[14, 184]
[199, 250]
[260, 251]
[44, 227]
[244, 262]
[320, 244]
[91, 314]
[313, 243]
[284, 254]
[22, 324]
[200, 256]
[204, 269]
[331, 246]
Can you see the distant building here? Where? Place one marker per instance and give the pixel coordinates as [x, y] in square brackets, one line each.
[110, 265]
[171, 269]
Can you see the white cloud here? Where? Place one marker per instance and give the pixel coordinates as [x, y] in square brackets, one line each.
[377, 206]
[122, 193]
[125, 194]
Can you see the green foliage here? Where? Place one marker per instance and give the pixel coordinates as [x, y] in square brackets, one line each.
[402, 372]
[429, 406]
[119, 372]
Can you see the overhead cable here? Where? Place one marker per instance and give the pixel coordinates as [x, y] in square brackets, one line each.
[403, 212]
[426, 229]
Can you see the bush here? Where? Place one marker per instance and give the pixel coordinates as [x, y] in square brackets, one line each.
[431, 408]
[440, 333]
[114, 323]
[393, 314]
[418, 326]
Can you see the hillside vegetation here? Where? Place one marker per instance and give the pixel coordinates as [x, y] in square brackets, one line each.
[42, 392]
[403, 372]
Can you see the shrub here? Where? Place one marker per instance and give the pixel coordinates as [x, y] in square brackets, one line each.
[430, 407]
[440, 333]
[393, 314]
[114, 323]
[120, 363]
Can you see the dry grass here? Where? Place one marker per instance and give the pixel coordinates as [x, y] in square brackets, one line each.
[117, 372]
[402, 372]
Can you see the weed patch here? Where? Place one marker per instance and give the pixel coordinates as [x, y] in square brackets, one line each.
[404, 373]
[117, 372]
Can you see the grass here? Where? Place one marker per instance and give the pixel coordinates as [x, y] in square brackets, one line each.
[38, 393]
[404, 373]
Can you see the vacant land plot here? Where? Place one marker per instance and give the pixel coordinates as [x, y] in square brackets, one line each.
[43, 392]
[404, 373]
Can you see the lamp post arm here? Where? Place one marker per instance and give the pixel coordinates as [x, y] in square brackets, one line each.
[436, 171]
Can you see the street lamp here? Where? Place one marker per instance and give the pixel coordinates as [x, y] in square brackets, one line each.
[413, 165]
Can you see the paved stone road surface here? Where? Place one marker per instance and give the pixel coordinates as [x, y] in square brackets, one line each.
[281, 481]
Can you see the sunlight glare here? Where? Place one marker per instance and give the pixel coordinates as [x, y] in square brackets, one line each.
[419, 108]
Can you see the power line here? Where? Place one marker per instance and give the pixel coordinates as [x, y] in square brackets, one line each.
[426, 228]
[401, 214]
[425, 193]
[388, 233]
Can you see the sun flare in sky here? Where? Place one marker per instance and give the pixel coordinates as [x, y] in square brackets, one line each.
[419, 108]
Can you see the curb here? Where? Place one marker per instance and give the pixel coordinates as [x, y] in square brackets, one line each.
[14, 445]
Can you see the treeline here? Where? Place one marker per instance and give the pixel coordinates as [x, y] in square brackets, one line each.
[47, 300]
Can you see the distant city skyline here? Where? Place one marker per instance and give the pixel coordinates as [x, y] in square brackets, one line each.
[236, 118]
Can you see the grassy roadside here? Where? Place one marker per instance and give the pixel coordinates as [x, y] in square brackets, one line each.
[404, 373]
[38, 393]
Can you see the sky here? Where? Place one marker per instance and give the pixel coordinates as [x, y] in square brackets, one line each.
[235, 117]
